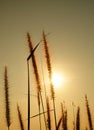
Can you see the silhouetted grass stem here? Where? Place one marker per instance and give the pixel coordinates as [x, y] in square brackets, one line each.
[20, 118]
[7, 98]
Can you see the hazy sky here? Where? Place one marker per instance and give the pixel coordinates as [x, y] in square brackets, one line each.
[71, 42]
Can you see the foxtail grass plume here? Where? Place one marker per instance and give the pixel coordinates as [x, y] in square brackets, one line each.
[20, 118]
[88, 114]
[30, 45]
[78, 119]
[7, 103]
[48, 62]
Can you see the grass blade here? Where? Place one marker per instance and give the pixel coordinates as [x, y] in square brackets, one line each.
[48, 114]
[20, 118]
[7, 98]
[78, 119]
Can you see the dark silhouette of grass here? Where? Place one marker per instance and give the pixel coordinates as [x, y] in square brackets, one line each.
[89, 114]
[78, 119]
[48, 114]
[7, 102]
[65, 121]
[64, 117]
[20, 118]
[62, 123]
[59, 123]
[49, 67]
[37, 78]
[31, 54]
[73, 105]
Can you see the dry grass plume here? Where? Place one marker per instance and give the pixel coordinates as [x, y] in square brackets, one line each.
[49, 67]
[88, 114]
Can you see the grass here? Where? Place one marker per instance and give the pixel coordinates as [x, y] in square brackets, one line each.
[20, 118]
[45, 109]
[78, 119]
[49, 67]
[48, 114]
[7, 101]
[89, 114]
[37, 79]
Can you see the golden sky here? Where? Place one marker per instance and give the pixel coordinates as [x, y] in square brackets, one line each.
[71, 43]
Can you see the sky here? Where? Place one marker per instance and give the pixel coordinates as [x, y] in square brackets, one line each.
[70, 25]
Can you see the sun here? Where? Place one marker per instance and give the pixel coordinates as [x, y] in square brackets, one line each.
[57, 79]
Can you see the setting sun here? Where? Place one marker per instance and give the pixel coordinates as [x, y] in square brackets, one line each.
[57, 79]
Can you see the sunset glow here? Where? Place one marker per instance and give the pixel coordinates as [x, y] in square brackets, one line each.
[57, 79]
[47, 64]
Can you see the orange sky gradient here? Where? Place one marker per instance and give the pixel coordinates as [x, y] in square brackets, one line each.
[71, 45]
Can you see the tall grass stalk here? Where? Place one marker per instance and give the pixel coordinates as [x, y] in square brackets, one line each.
[40, 113]
[28, 95]
[28, 58]
[43, 110]
[62, 110]
[39, 109]
[48, 61]
[20, 118]
[88, 114]
[73, 105]
[59, 123]
[66, 125]
[39, 95]
[7, 103]
[78, 119]
[48, 114]
[64, 118]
